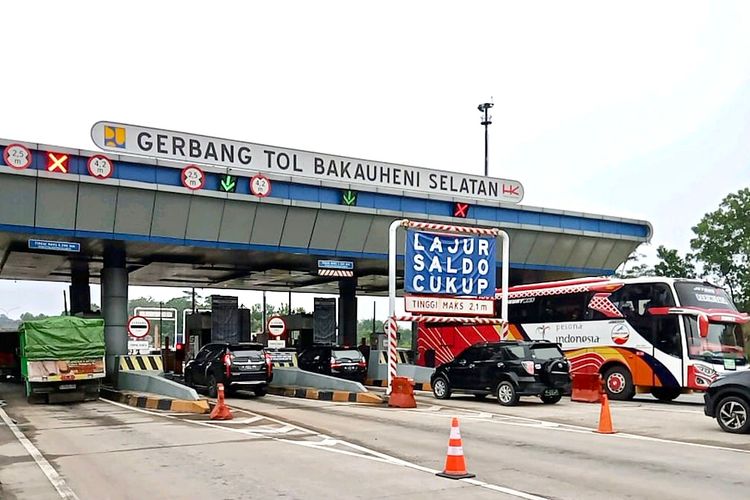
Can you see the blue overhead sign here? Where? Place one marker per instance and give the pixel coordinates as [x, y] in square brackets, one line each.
[55, 246]
[345, 265]
[449, 264]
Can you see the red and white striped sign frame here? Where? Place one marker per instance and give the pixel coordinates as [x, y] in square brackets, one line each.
[341, 273]
[392, 326]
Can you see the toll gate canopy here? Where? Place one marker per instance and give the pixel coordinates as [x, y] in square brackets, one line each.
[61, 212]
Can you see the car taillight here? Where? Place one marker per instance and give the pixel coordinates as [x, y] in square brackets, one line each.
[269, 364]
[528, 366]
[334, 363]
[228, 362]
[362, 364]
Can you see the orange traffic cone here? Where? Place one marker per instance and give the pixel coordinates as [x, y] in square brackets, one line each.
[605, 419]
[221, 410]
[455, 463]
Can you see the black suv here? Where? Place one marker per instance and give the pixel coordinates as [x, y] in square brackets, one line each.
[506, 369]
[342, 362]
[728, 399]
[237, 366]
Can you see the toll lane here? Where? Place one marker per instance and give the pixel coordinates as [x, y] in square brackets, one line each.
[534, 455]
[106, 451]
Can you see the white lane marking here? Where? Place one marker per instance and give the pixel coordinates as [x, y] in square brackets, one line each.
[327, 443]
[57, 481]
[555, 426]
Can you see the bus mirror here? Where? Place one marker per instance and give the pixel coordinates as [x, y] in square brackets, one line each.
[703, 326]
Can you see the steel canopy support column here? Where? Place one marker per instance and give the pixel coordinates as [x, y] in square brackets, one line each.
[80, 292]
[348, 311]
[115, 306]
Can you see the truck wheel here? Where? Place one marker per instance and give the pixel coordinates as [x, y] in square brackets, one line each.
[619, 384]
[213, 387]
[261, 391]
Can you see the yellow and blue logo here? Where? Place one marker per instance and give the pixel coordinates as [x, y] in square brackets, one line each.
[114, 137]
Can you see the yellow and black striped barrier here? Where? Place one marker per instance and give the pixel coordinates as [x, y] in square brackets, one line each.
[321, 395]
[153, 402]
[286, 364]
[141, 363]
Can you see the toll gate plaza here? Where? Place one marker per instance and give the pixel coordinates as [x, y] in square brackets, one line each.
[257, 217]
[163, 208]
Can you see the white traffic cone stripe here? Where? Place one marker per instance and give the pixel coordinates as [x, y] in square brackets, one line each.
[455, 433]
[456, 451]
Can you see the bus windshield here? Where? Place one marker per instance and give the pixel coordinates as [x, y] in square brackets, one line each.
[724, 341]
[704, 296]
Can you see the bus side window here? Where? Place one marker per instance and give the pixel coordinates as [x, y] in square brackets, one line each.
[566, 307]
[667, 335]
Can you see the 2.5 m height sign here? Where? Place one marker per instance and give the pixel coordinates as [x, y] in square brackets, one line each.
[449, 264]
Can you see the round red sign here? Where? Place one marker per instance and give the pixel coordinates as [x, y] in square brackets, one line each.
[138, 327]
[276, 326]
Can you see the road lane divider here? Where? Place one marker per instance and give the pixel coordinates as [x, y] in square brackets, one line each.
[322, 395]
[152, 402]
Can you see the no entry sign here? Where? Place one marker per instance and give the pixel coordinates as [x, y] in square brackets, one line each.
[138, 327]
[276, 326]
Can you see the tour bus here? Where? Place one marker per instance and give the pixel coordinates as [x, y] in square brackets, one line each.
[666, 336]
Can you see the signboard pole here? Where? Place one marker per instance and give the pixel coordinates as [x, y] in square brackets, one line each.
[392, 326]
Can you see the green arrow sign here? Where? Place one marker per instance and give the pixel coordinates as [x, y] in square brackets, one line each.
[228, 183]
[349, 197]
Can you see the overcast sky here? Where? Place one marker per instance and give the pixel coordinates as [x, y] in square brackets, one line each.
[636, 109]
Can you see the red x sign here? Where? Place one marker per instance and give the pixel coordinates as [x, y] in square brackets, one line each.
[57, 162]
[461, 210]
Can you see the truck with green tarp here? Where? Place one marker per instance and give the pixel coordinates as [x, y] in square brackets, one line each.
[62, 359]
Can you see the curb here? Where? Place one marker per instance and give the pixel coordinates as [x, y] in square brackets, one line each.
[338, 396]
[418, 386]
[154, 402]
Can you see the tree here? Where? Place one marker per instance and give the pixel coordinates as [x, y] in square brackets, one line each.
[672, 265]
[632, 267]
[722, 245]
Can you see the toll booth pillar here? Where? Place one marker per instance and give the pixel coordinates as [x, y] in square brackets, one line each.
[80, 292]
[348, 312]
[114, 280]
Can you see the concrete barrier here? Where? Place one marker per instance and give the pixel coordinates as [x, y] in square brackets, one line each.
[294, 377]
[377, 369]
[155, 383]
[152, 402]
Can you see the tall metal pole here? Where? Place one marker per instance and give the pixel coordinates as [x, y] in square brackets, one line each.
[486, 121]
[486, 143]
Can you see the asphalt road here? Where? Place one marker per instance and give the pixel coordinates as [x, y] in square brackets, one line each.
[294, 448]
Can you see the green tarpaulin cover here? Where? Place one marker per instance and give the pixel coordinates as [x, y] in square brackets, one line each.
[66, 337]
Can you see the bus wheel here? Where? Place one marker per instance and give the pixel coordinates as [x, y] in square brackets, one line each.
[619, 384]
[665, 393]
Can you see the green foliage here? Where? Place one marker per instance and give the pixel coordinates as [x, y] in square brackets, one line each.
[633, 267]
[364, 330]
[722, 245]
[672, 265]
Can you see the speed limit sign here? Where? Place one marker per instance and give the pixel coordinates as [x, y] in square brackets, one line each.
[17, 156]
[193, 177]
[260, 185]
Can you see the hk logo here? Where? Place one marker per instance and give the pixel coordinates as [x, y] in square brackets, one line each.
[114, 137]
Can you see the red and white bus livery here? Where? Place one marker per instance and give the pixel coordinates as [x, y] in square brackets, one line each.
[660, 335]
